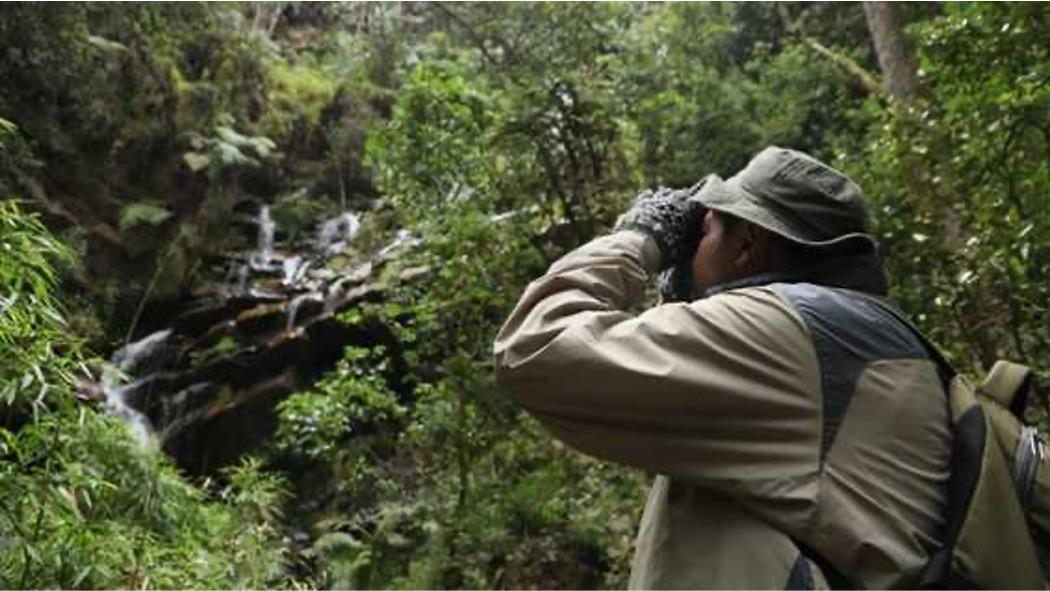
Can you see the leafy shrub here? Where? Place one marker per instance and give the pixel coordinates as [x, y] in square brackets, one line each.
[352, 399]
[959, 182]
[82, 505]
[38, 355]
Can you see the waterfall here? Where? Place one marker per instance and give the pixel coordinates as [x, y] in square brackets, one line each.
[331, 298]
[242, 279]
[266, 231]
[293, 307]
[124, 364]
[263, 254]
[290, 270]
[274, 305]
[130, 356]
[338, 231]
[404, 238]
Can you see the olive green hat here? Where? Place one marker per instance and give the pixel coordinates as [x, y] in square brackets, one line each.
[794, 195]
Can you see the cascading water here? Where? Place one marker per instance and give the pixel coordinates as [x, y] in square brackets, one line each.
[242, 278]
[124, 364]
[296, 303]
[332, 294]
[290, 269]
[403, 239]
[262, 258]
[338, 231]
[204, 390]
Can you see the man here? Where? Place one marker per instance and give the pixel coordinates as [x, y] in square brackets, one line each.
[797, 427]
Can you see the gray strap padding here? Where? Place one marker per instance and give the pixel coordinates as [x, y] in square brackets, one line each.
[849, 332]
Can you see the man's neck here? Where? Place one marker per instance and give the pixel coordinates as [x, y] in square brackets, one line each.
[858, 272]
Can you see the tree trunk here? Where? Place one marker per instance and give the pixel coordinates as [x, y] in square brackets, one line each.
[899, 69]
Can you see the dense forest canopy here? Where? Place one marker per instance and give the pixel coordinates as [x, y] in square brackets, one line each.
[356, 193]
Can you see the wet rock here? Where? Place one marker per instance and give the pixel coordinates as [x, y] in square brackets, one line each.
[303, 308]
[220, 432]
[212, 337]
[206, 314]
[263, 319]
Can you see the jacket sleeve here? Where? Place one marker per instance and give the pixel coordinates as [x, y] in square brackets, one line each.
[723, 391]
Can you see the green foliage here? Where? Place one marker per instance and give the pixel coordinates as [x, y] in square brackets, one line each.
[462, 494]
[133, 102]
[696, 110]
[86, 508]
[312, 426]
[37, 353]
[502, 135]
[297, 96]
[435, 150]
[960, 182]
[226, 149]
[142, 213]
[352, 399]
[82, 505]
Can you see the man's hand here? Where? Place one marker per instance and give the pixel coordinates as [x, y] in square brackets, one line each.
[672, 217]
[676, 283]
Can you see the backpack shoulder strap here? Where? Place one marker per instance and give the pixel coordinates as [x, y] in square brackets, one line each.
[944, 369]
[1009, 384]
[983, 510]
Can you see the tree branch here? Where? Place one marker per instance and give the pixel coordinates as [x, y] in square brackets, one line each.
[866, 79]
[477, 39]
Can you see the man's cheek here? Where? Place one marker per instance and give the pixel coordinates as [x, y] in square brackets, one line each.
[700, 274]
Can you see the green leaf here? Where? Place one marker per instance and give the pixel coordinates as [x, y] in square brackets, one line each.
[142, 213]
[106, 44]
[196, 161]
[6, 129]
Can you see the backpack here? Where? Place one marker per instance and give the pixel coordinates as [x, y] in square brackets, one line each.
[997, 527]
[998, 520]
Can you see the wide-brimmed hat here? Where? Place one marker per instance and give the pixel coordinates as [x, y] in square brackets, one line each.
[794, 195]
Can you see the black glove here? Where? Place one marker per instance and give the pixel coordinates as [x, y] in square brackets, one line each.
[676, 283]
[672, 217]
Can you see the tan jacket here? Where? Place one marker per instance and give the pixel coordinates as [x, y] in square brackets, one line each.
[774, 415]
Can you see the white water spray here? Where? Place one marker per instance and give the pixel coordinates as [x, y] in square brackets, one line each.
[403, 239]
[290, 270]
[293, 307]
[123, 364]
[264, 247]
[338, 231]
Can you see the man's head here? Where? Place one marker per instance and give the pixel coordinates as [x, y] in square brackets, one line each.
[783, 210]
[730, 249]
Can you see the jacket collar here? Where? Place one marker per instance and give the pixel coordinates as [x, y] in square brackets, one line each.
[860, 272]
